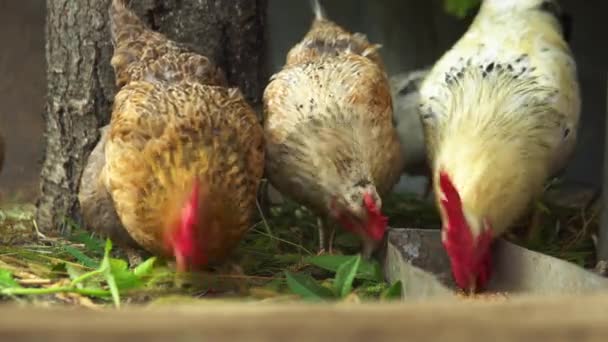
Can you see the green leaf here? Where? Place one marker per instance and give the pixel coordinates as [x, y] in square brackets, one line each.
[118, 265]
[145, 268]
[345, 276]
[7, 280]
[59, 268]
[107, 249]
[393, 292]
[81, 257]
[275, 284]
[106, 270]
[125, 279]
[160, 275]
[91, 243]
[73, 272]
[371, 289]
[459, 8]
[306, 287]
[368, 269]
[288, 258]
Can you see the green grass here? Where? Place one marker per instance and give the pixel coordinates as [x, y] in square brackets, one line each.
[277, 259]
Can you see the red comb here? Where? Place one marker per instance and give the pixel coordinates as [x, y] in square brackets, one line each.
[451, 201]
[377, 222]
[183, 239]
[470, 256]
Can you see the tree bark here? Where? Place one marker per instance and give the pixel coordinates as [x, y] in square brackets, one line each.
[231, 32]
[81, 81]
[602, 242]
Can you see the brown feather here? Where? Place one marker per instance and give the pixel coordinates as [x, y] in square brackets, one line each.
[328, 122]
[142, 54]
[161, 138]
[326, 38]
[165, 132]
[96, 203]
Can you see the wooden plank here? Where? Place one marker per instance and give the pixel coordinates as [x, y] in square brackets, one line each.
[583, 318]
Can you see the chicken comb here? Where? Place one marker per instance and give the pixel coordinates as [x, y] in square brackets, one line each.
[377, 222]
[182, 239]
[451, 203]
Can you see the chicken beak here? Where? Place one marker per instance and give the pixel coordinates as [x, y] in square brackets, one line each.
[473, 287]
[471, 290]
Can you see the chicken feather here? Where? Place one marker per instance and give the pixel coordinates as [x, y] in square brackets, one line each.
[174, 123]
[329, 133]
[500, 112]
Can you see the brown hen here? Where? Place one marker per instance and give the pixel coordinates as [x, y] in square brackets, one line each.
[331, 144]
[180, 163]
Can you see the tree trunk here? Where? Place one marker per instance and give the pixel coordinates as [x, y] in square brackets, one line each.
[81, 81]
[602, 243]
[231, 32]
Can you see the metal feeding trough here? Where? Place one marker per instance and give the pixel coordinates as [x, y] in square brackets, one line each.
[417, 258]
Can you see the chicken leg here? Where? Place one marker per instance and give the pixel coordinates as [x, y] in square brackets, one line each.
[324, 238]
[535, 226]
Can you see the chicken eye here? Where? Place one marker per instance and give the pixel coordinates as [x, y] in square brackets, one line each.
[566, 133]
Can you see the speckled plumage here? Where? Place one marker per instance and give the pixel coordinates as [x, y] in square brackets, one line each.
[326, 39]
[171, 124]
[141, 54]
[328, 124]
[501, 109]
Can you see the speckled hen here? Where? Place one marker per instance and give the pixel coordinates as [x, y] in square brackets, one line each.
[177, 169]
[331, 143]
[500, 112]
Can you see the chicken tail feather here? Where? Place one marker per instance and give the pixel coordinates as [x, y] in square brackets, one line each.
[121, 19]
[318, 10]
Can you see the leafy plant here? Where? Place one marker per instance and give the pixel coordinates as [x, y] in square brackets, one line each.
[392, 292]
[307, 287]
[345, 275]
[348, 271]
[92, 244]
[81, 257]
[367, 270]
[108, 280]
[6, 279]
